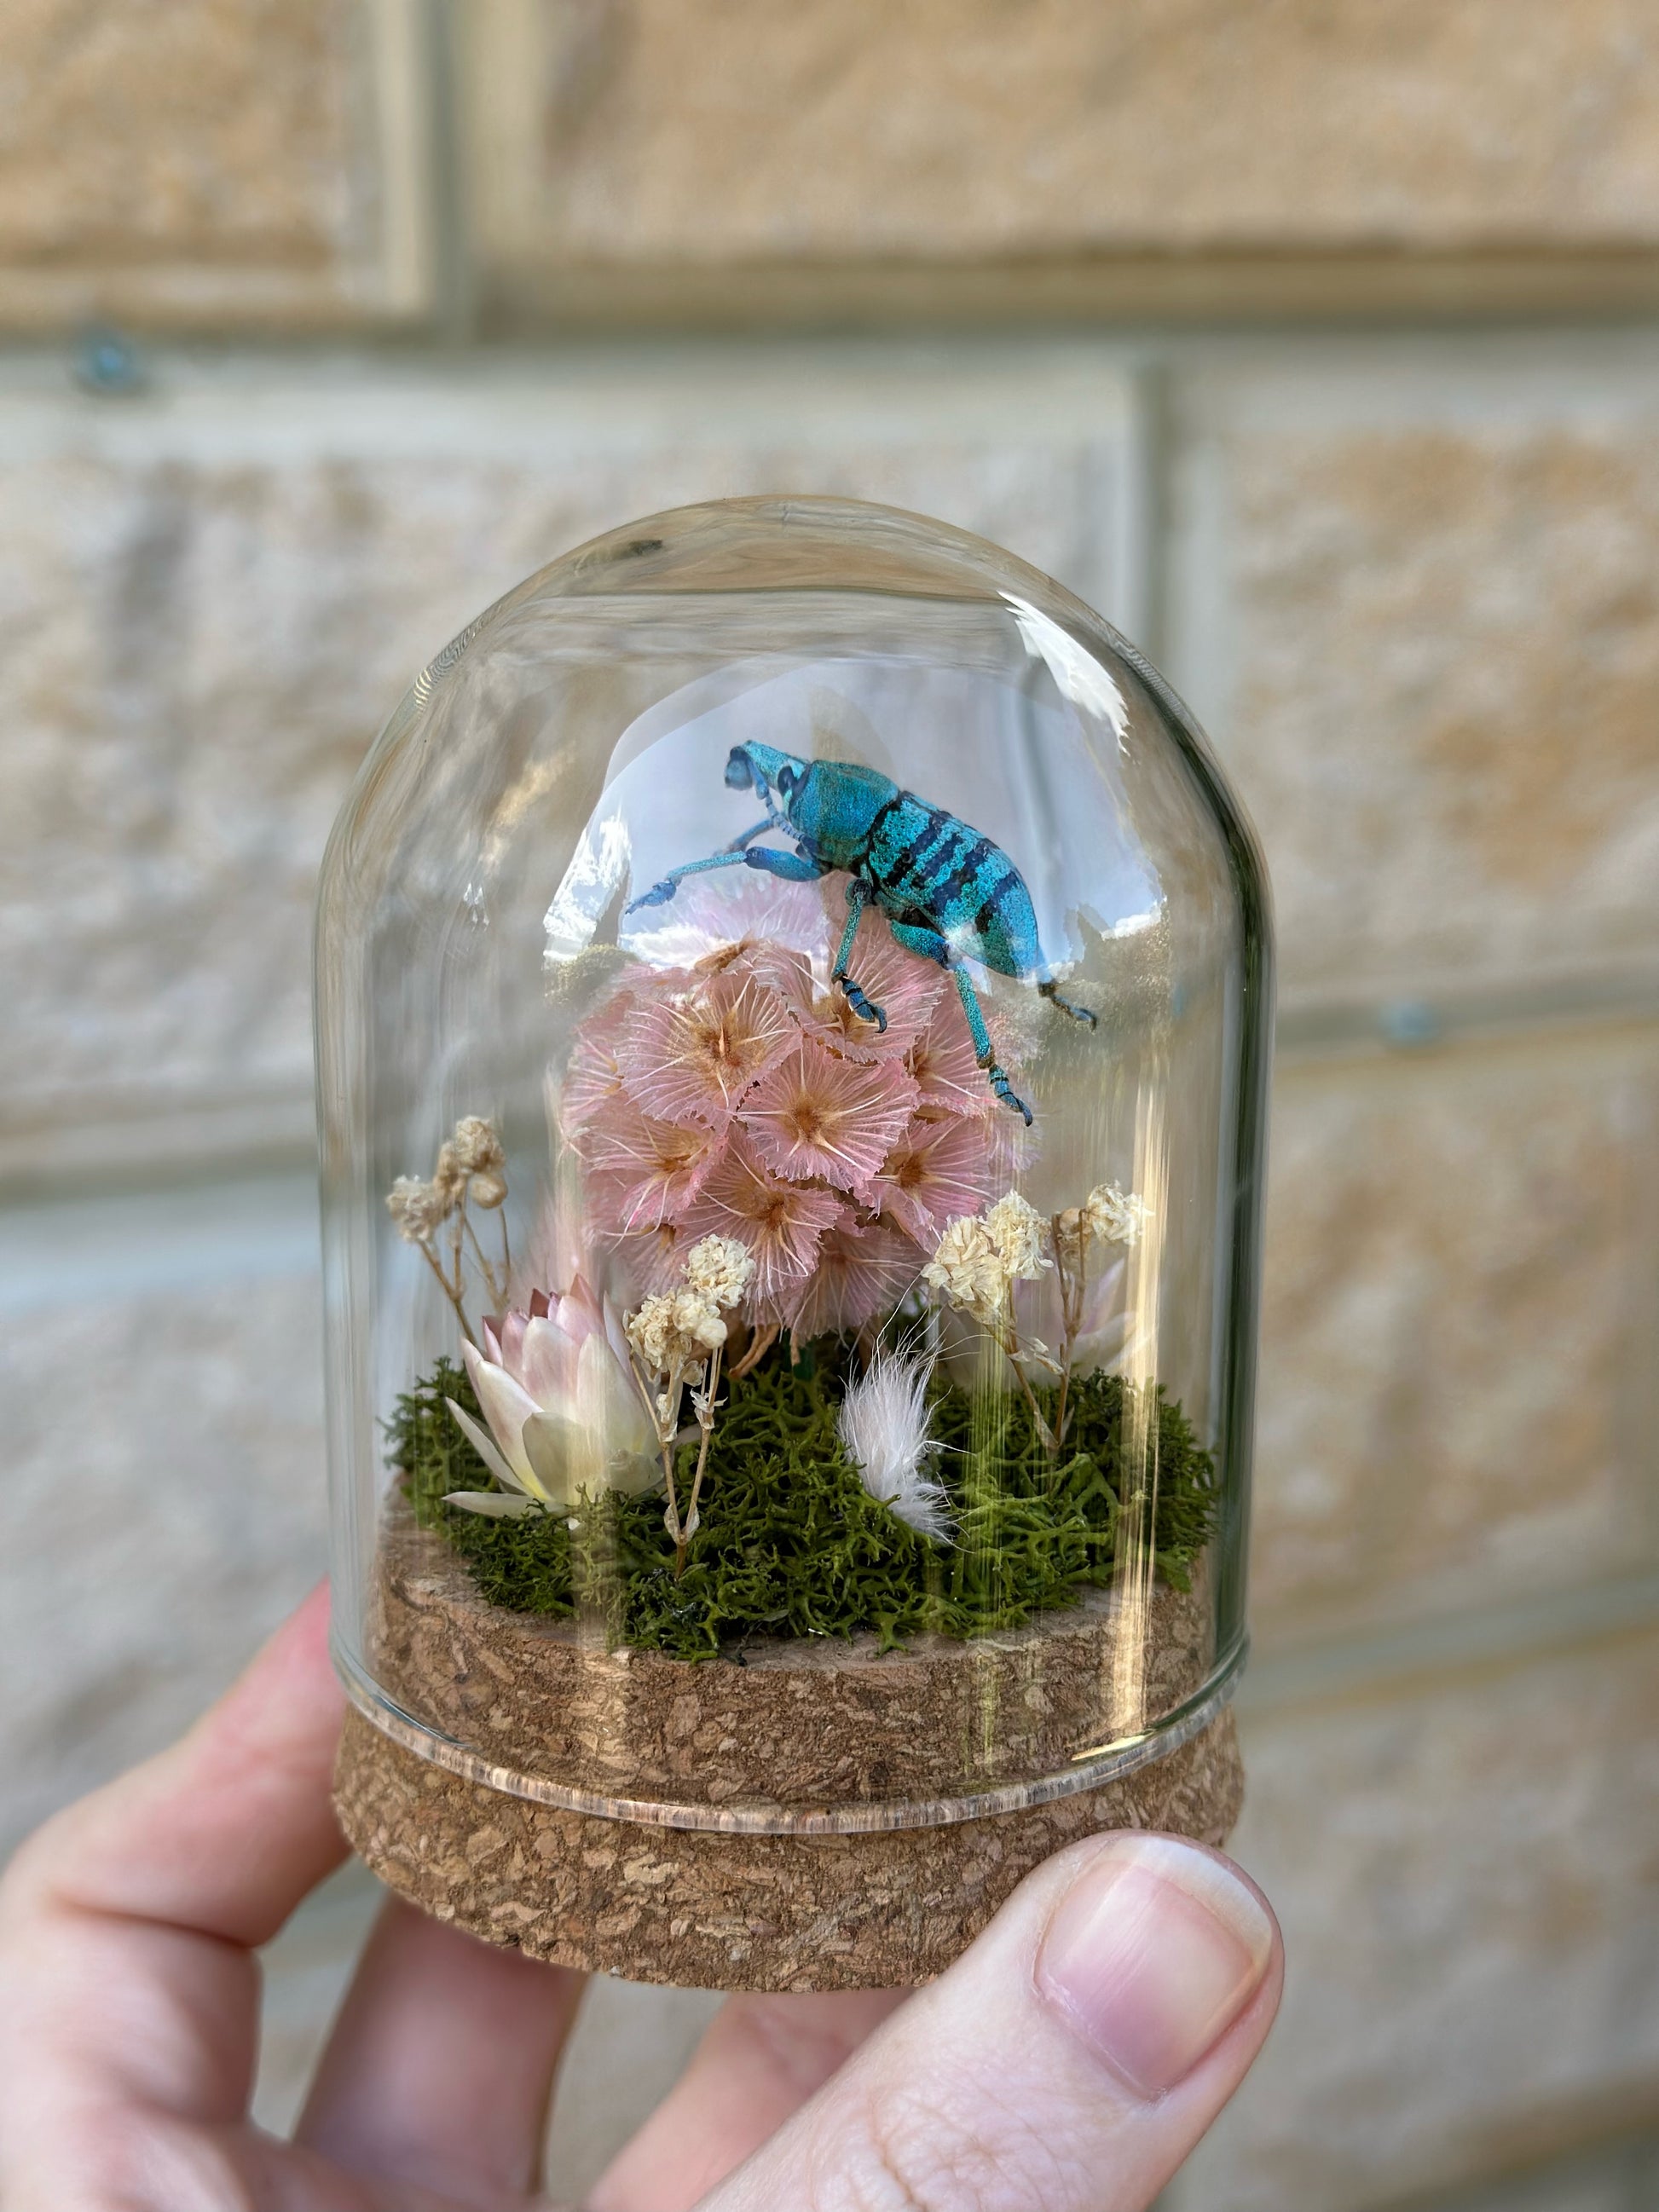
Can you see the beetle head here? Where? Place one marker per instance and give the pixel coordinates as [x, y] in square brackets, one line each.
[758, 768]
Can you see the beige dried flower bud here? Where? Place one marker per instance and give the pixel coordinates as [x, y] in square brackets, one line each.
[719, 1269]
[1116, 1216]
[675, 1329]
[487, 1190]
[417, 1208]
[651, 1332]
[1018, 1232]
[698, 1323]
[477, 1146]
[967, 1270]
[449, 1177]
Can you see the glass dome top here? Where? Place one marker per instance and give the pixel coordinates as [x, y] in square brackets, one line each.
[794, 998]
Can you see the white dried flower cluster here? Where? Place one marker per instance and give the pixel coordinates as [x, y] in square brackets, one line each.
[1020, 1234]
[680, 1329]
[1116, 1216]
[981, 1257]
[719, 1269]
[417, 1208]
[476, 1146]
[471, 1164]
[965, 1269]
[675, 1329]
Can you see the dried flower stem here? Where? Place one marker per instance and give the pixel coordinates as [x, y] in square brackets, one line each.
[703, 1399]
[1070, 1232]
[761, 1340]
[452, 1291]
[1006, 1334]
[497, 1289]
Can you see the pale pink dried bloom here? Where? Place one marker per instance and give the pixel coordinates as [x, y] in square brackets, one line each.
[653, 1170]
[732, 907]
[815, 1114]
[652, 1259]
[904, 985]
[860, 1273]
[564, 1418]
[692, 1058]
[782, 1223]
[937, 1170]
[592, 1082]
[947, 1075]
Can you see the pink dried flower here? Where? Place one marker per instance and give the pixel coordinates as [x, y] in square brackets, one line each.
[650, 1170]
[737, 1099]
[815, 1114]
[861, 1272]
[782, 1223]
[937, 1170]
[593, 1084]
[653, 1260]
[947, 1075]
[714, 913]
[565, 1420]
[904, 986]
[692, 1058]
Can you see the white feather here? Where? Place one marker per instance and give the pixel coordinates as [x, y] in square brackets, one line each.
[884, 1427]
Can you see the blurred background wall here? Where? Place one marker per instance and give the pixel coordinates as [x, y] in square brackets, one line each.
[1319, 344]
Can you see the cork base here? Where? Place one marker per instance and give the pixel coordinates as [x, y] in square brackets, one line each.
[717, 1911]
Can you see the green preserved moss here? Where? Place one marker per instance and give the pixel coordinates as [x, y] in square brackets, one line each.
[792, 1544]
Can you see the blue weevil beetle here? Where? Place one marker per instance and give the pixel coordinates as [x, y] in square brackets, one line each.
[947, 891]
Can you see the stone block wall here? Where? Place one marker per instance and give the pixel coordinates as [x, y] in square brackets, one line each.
[1318, 347]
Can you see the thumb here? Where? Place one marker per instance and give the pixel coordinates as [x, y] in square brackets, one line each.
[1067, 2063]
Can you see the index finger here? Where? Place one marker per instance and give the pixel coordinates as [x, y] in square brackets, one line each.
[223, 1833]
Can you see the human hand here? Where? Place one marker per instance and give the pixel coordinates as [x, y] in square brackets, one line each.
[1068, 2063]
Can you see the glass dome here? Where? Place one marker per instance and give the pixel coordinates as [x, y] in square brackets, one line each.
[794, 1004]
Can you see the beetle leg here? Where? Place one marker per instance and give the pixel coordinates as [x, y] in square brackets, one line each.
[982, 1037]
[788, 867]
[1047, 988]
[858, 897]
[933, 946]
[792, 868]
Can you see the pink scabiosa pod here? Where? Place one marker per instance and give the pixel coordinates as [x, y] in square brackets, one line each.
[593, 1086]
[566, 1418]
[690, 1057]
[816, 1114]
[948, 1078]
[782, 1224]
[937, 1170]
[714, 916]
[644, 1172]
[862, 1271]
[903, 986]
[742, 1098]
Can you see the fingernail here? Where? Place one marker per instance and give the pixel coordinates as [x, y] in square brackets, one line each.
[1151, 1955]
